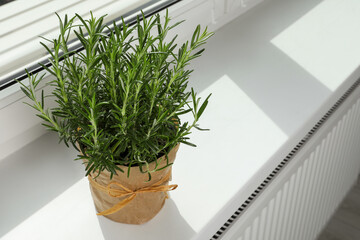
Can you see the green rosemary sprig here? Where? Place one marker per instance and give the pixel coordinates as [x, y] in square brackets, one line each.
[120, 100]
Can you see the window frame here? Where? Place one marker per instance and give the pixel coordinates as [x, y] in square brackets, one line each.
[34, 67]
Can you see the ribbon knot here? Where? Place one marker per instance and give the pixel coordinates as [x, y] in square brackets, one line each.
[128, 193]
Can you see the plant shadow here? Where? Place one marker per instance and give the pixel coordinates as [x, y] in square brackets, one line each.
[168, 224]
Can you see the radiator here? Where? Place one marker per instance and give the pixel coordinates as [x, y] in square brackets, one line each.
[298, 198]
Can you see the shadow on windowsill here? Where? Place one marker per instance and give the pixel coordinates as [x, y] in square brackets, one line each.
[168, 224]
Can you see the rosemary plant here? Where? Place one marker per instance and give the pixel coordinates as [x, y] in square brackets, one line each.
[120, 99]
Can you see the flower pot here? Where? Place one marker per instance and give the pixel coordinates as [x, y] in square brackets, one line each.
[133, 200]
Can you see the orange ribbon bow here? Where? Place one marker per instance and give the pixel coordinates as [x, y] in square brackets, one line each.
[131, 194]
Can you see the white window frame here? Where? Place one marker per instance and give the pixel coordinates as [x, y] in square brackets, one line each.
[19, 35]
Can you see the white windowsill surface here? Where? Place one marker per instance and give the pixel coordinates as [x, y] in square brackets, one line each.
[273, 73]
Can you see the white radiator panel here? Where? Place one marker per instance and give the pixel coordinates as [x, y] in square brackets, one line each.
[298, 203]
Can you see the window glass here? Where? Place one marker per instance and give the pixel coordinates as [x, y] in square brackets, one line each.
[22, 22]
[2, 2]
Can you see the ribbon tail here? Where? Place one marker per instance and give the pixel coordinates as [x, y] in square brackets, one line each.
[118, 206]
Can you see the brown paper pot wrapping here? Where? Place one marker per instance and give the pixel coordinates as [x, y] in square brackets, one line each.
[145, 205]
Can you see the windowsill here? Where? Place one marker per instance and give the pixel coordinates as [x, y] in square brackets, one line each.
[265, 98]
